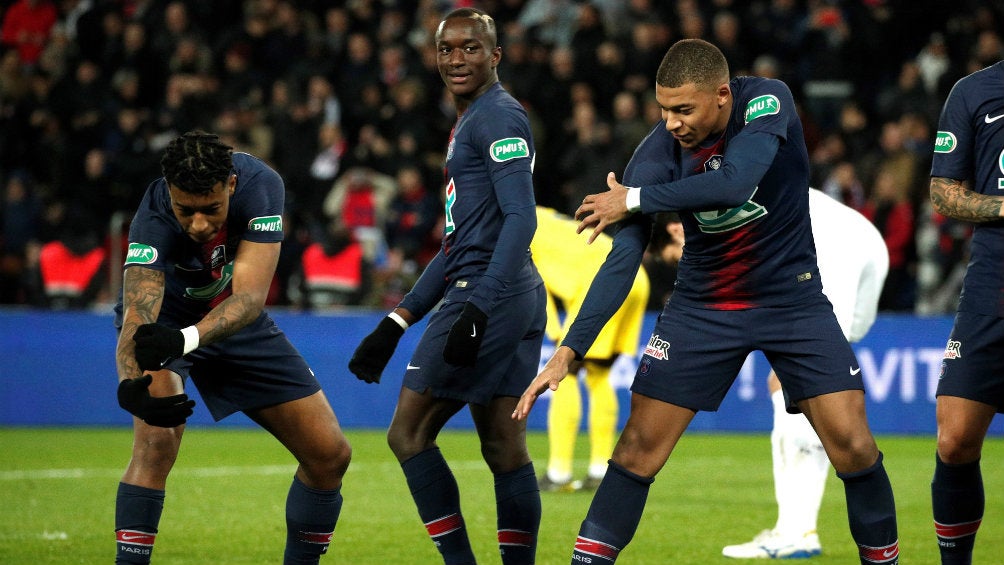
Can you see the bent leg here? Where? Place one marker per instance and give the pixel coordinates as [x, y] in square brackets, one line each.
[139, 500]
[307, 427]
[417, 421]
[651, 433]
[957, 494]
[517, 495]
[839, 419]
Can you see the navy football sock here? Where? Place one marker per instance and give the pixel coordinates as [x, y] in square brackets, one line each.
[137, 515]
[871, 513]
[958, 501]
[517, 502]
[613, 516]
[437, 497]
[311, 515]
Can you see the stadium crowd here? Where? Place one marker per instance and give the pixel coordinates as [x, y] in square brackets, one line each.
[343, 99]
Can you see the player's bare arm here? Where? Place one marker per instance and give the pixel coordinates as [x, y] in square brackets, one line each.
[598, 211]
[142, 296]
[254, 268]
[951, 198]
[555, 370]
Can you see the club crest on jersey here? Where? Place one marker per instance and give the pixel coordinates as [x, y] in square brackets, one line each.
[953, 350]
[219, 257]
[140, 254]
[657, 348]
[945, 142]
[266, 223]
[509, 148]
[761, 106]
[713, 163]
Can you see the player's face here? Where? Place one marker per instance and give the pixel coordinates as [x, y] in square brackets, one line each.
[466, 58]
[693, 114]
[203, 215]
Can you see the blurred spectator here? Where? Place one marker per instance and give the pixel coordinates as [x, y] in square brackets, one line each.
[71, 270]
[26, 26]
[20, 215]
[359, 200]
[412, 215]
[890, 209]
[844, 185]
[335, 271]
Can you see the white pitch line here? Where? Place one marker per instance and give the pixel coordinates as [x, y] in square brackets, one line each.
[223, 471]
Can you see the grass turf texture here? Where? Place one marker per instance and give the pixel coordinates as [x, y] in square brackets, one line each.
[226, 497]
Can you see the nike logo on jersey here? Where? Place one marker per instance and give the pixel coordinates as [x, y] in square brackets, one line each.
[990, 120]
[854, 371]
[411, 367]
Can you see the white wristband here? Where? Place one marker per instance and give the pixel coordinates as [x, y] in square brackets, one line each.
[397, 318]
[191, 334]
[633, 198]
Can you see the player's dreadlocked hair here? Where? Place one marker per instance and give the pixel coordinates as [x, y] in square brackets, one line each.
[693, 61]
[196, 161]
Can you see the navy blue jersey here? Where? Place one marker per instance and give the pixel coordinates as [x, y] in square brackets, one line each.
[490, 207]
[745, 209]
[970, 146]
[198, 275]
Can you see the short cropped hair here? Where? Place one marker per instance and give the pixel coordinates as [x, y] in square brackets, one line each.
[196, 161]
[487, 23]
[693, 61]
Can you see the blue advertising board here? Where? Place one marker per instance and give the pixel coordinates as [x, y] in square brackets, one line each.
[58, 369]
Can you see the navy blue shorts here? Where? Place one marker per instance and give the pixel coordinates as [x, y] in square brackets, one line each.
[973, 365]
[254, 368]
[695, 354]
[508, 358]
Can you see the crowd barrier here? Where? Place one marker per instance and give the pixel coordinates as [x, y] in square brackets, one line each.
[58, 369]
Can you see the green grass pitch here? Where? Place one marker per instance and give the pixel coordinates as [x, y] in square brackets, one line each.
[226, 497]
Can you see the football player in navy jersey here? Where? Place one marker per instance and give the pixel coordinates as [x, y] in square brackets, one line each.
[203, 248]
[967, 176]
[730, 157]
[481, 346]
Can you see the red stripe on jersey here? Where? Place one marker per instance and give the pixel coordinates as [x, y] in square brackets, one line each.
[879, 554]
[515, 537]
[597, 548]
[135, 537]
[444, 525]
[952, 531]
[316, 537]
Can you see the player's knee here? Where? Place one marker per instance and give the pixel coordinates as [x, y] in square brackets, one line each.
[957, 448]
[328, 466]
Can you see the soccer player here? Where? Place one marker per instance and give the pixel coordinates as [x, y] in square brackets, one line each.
[853, 262]
[967, 176]
[567, 266]
[481, 347]
[730, 156]
[203, 248]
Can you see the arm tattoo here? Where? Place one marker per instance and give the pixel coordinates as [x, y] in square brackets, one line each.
[142, 295]
[229, 317]
[950, 198]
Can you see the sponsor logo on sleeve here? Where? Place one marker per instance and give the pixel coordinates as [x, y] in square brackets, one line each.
[140, 254]
[761, 106]
[945, 142]
[266, 223]
[509, 148]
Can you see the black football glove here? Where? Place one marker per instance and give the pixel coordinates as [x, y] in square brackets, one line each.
[465, 337]
[375, 350]
[164, 412]
[156, 345]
